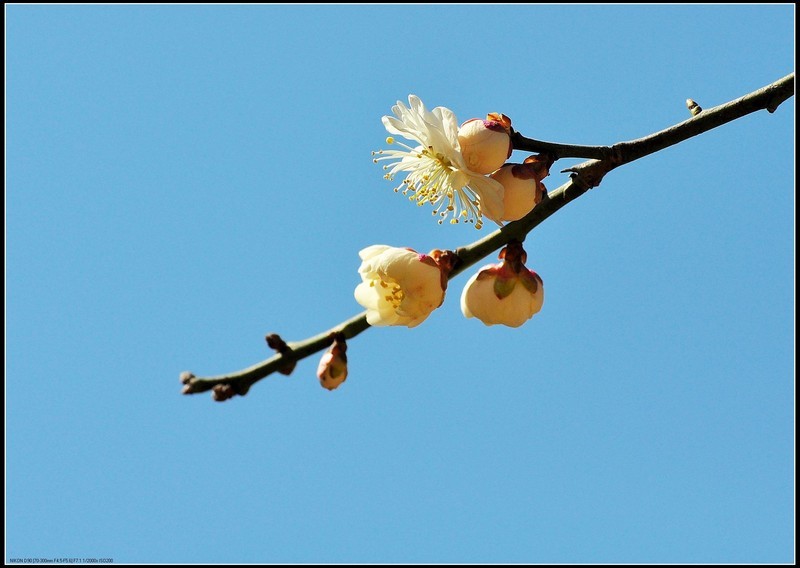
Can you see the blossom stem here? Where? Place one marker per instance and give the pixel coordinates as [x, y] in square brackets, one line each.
[584, 176]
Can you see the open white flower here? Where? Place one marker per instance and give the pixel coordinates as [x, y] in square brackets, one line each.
[399, 286]
[435, 170]
[506, 293]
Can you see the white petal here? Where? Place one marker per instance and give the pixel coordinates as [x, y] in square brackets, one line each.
[417, 321]
[374, 318]
[490, 192]
[372, 251]
[459, 178]
[394, 260]
[367, 296]
[395, 126]
[466, 296]
[388, 315]
[449, 124]
[516, 308]
[416, 104]
[480, 300]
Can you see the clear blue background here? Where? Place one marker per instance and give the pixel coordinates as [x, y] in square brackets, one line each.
[183, 180]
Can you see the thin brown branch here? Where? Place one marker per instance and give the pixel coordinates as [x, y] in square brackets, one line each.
[767, 98]
[558, 150]
[584, 176]
[245, 378]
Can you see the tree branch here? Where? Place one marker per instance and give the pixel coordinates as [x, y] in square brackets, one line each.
[244, 379]
[768, 98]
[557, 150]
[583, 177]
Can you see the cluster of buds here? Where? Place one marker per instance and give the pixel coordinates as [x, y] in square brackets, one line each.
[486, 145]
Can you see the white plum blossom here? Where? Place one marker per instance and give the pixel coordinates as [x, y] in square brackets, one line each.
[434, 167]
[506, 293]
[399, 285]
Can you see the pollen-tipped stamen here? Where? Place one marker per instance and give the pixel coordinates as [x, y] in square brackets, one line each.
[430, 181]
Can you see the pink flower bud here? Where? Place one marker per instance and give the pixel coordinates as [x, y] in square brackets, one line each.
[521, 191]
[332, 369]
[522, 185]
[485, 144]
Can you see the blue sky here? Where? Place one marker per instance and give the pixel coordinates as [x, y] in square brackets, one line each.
[183, 180]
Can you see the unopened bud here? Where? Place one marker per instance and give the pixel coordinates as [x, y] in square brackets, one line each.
[485, 144]
[507, 293]
[693, 107]
[223, 392]
[332, 369]
[522, 186]
[274, 341]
